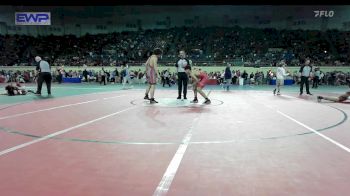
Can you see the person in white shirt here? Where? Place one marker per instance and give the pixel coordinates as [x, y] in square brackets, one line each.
[44, 75]
[316, 79]
[321, 77]
[126, 76]
[181, 74]
[280, 75]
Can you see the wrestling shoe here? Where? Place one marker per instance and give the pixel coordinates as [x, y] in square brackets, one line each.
[153, 101]
[207, 101]
[195, 100]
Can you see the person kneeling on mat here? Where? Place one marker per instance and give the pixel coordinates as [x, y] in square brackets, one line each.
[199, 80]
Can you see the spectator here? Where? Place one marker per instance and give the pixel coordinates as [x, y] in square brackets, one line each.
[166, 75]
[316, 78]
[228, 77]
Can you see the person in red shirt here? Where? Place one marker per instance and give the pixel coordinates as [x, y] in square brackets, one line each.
[199, 80]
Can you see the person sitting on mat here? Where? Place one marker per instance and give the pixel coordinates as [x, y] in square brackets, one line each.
[17, 89]
[341, 98]
[199, 80]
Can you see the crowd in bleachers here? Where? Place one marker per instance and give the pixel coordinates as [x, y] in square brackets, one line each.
[253, 46]
[263, 47]
[334, 78]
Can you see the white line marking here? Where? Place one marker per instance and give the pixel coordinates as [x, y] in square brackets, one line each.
[24, 102]
[170, 173]
[57, 107]
[61, 132]
[82, 88]
[288, 96]
[291, 97]
[112, 97]
[316, 132]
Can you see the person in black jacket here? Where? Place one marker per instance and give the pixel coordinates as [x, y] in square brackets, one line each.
[182, 78]
[245, 77]
[103, 78]
[85, 74]
[228, 77]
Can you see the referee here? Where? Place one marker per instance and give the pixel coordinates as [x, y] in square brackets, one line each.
[305, 71]
[44, 70]
[182, 78]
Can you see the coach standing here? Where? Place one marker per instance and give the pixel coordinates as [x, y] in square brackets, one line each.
[44, 70]
[182, 78]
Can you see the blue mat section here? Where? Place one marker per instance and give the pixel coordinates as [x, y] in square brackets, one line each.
[72, 80]
[286, 82]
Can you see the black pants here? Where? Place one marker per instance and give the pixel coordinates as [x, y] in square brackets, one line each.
[166, 81]
[315, 82]
[45, 76]
[59, 78]
[103, 79]
[182, 80]
[304, 80]
[234, 80]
